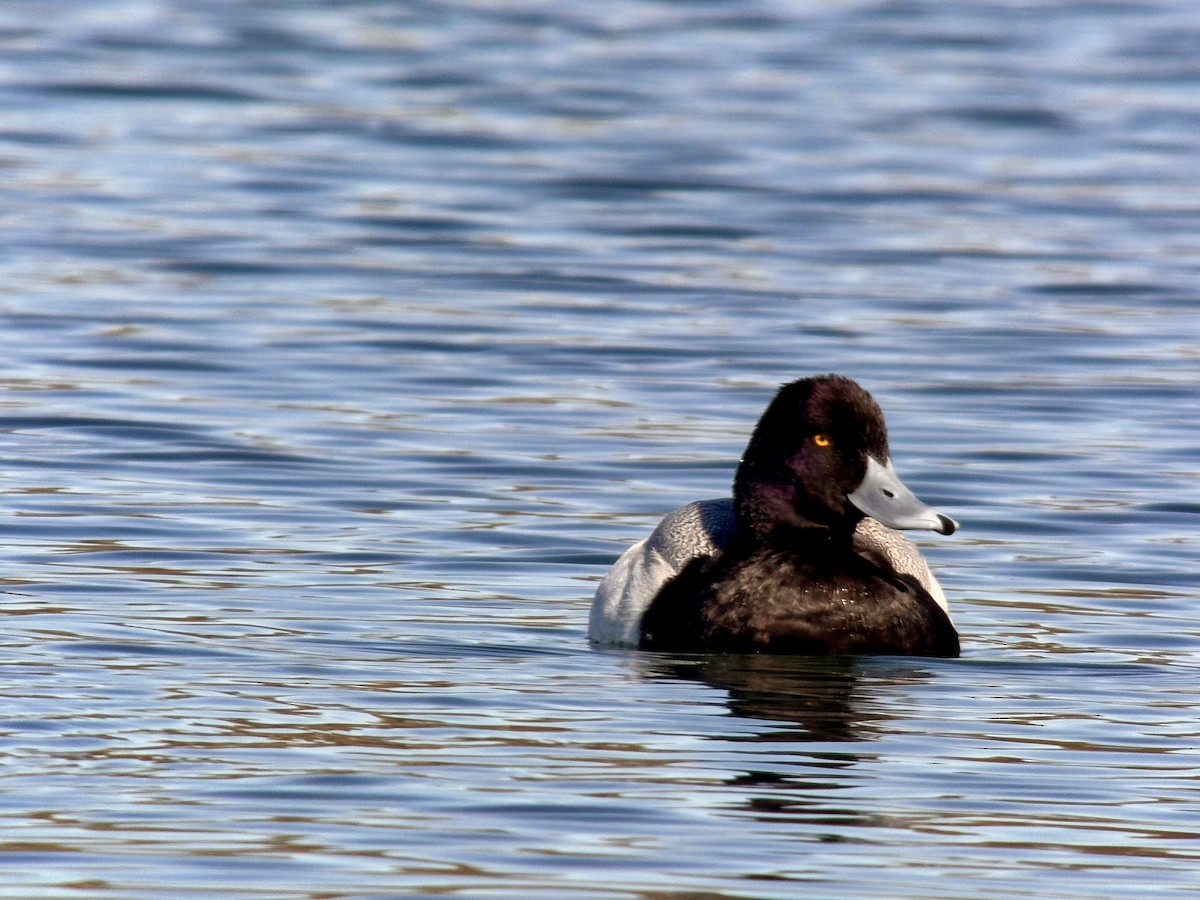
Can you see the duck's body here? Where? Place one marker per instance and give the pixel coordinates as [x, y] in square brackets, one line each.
[817, 596]
[699, 531]
[790, 563]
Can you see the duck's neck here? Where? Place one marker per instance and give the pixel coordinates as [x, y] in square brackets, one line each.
[770, 514]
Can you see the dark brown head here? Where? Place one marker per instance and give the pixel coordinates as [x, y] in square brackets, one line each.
[819, 457]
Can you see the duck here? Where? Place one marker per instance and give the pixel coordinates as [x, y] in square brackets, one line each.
[805, 557]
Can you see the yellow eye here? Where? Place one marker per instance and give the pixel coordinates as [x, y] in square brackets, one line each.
[822, 440]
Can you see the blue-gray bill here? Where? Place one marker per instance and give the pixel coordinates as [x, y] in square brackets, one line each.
[883, 496]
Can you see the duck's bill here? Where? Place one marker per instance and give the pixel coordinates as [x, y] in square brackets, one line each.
[883, 496]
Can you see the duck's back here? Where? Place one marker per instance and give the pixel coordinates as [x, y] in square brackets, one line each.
[697, 530]
[826, 601]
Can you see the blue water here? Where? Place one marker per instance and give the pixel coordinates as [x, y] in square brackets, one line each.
[345, 345]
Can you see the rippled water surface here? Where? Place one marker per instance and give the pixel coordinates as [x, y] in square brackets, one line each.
[345, 345]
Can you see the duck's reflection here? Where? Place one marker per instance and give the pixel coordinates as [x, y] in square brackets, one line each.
[819, 713]
[823, 696]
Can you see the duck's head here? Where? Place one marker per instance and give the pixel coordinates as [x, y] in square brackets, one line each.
[819, 457]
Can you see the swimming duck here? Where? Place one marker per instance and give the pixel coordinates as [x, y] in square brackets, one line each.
[803, 558]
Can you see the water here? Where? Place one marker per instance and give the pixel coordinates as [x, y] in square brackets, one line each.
[346, 345]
